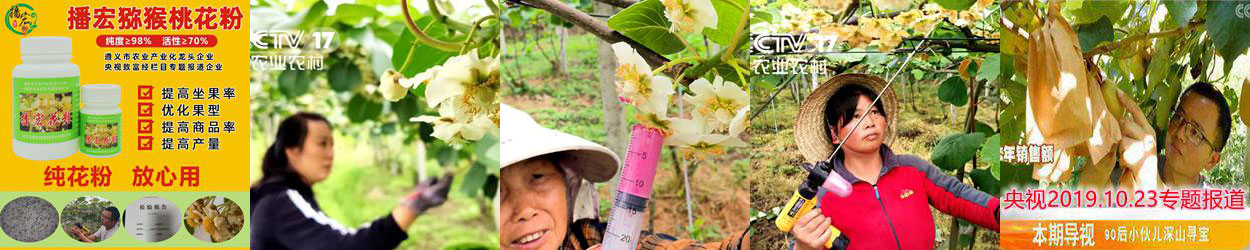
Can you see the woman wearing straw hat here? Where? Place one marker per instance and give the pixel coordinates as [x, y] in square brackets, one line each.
[542, 170]
[888, 207]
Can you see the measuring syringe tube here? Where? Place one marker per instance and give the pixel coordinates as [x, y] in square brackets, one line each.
[633, 190]
[625, 225]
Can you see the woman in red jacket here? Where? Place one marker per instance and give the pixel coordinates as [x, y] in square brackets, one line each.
[888, 207]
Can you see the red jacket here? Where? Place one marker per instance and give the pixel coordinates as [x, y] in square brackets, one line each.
[894, 214]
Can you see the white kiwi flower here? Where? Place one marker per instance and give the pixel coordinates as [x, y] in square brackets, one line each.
[690, 15]
[636, 85]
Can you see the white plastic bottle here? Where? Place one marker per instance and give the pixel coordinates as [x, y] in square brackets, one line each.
[101, 120]
[45, 100]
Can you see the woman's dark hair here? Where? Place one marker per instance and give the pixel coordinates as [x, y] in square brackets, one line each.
[291, 134]
[840, 108]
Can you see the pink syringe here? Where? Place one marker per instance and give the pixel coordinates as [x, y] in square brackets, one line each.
[634, 189]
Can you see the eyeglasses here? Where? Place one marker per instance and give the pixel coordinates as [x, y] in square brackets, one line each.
[1190, 131]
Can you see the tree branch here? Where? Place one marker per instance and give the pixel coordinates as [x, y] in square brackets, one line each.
[855, 19]
[1108, 47]
[970, 45]
[619, 3]
[422, 37]
[599, 29]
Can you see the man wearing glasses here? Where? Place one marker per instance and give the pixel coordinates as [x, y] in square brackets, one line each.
[108, 226]
[1196, 133]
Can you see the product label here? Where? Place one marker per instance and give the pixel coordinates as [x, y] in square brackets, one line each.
[794, 209]
[100, 134]
[45, 110]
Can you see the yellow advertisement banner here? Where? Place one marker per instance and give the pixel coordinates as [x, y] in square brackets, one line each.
[124, 112]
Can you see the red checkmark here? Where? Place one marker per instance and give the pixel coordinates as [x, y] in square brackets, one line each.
[145, 126]
[145, 109]
[145, 92]
[145, 143]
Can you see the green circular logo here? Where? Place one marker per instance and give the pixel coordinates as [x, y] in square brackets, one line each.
[21, 19]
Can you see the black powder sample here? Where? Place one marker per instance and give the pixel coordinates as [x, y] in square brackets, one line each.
[28, 219]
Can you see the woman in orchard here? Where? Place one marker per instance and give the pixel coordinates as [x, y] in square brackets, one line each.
[888, 207]
[285, 214]
[542, 172]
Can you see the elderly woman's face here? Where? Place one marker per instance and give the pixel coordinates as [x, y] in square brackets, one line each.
[534, 205]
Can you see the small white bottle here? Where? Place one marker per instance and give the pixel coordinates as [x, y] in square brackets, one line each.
[101, 120]
[45, 100]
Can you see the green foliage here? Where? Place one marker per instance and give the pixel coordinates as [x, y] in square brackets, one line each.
[954, 91]
[985, 181]
[344, 76]
[990, 69]
[295, 83]
[645, 23]
[362, 108]
[1227, 30]
[698, 232]
[990, 154]
[728, 18]
[1093, 34]
[411, 57]
[408, 108]
[84, 210]
[955, 150]
[1181, 11]
[469, 245]
[1160, 67]
[1231, 171]
[355, 194]
[981, 127]
[471, 183]
[956, 4]
[764, 215]
[1083, 12]
[354, 15]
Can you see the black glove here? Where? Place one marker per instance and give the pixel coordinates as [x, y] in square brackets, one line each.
[428, 194]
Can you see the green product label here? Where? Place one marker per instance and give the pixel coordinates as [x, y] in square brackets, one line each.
[45, 110]
[101, 134]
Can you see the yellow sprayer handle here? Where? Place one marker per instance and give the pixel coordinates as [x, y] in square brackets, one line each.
[834, 233]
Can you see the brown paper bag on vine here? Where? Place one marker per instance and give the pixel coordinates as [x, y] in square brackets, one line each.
[1065, 106]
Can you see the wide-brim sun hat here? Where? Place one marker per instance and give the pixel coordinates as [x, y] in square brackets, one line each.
[522, 138]
[811, 132]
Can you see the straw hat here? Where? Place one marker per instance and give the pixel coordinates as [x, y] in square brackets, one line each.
[522, 138]
[810, 131]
